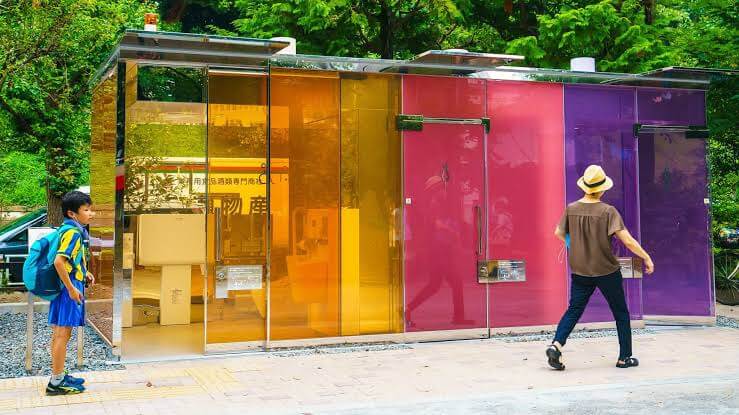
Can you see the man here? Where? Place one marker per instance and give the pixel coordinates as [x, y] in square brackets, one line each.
[590, 225]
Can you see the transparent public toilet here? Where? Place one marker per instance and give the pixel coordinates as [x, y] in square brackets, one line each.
[250, 200]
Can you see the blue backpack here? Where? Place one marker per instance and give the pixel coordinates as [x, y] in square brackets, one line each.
[39, 274]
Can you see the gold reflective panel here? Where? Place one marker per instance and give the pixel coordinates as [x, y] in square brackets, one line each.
[371, 280]
[304, 201]
[164, 246]
[102, 191]
[237, 206]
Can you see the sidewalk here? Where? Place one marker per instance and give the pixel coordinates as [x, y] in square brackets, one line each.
[468, 376]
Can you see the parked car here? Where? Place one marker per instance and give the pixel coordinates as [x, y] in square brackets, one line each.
[14, 245]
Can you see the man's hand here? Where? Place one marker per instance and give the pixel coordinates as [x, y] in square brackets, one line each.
[649, 265]
[90, 278]
[75, 294]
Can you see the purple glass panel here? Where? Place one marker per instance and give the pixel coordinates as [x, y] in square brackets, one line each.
[599, 130]
[675, 228]
[671, 106]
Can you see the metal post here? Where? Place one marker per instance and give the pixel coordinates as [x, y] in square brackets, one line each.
[29, 333]
[80, 346]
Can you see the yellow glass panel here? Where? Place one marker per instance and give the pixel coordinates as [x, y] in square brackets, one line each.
[164, 249]
[304, 201]
[237, 199]
[102, 191]
[371, 280]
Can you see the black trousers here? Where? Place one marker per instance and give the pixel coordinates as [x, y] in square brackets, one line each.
[612, 287]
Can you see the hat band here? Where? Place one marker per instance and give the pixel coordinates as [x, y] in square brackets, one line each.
[594, 184]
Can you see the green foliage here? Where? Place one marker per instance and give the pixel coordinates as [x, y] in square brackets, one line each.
[22, 177]
[50, 51]
[388, 29]
[723, 149]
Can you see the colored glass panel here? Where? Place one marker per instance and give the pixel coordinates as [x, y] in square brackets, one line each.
[304, 204]
[599, 125]
[525, 156]
[444, 191]
[675, 226]
[671, 106]
[236, 186]
[164, 212]
[102, 191]
[371, 249]
[443, 97]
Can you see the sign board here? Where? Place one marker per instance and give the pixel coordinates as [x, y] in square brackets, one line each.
[501, 270]
[237, 278]
[631, 267]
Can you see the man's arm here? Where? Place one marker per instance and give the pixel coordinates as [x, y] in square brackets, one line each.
[60, 263]
[634, 247]
[559, 233]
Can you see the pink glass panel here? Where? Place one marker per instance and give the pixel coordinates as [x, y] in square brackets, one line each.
[525, 157]
[443, 97]
[444, 181]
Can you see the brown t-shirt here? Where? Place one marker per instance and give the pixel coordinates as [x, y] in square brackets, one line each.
[591, 227]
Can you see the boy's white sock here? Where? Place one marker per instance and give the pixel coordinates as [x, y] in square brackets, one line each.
[56, 379]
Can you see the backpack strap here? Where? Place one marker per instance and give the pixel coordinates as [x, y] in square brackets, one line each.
[63, 229]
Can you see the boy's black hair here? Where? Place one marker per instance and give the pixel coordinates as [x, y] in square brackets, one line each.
[73, 201]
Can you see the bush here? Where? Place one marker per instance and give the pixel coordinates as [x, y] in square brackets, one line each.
[22, 178]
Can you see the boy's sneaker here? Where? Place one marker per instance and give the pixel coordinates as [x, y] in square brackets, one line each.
[63, 388]
[73, 380]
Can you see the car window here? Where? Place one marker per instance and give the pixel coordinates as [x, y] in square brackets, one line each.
[21, 237]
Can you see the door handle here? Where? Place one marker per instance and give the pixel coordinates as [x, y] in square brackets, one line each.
[219, 239]
[478, 219]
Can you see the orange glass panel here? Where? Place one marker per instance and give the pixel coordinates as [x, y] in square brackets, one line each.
[304, 204]
[371, 275]
[237, 207]
[102, 191]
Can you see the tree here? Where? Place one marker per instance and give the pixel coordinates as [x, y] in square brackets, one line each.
[382, 28]
[51, 50]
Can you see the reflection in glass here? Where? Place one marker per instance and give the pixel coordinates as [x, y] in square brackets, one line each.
[371, 283]
[304, 201]
[102, 191]
[164, 221]
[236, 184]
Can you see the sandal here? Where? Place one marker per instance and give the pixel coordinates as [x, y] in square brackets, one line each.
[554, 356]
[629, 362]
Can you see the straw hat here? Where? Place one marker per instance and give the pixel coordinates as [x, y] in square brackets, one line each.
[594, 180]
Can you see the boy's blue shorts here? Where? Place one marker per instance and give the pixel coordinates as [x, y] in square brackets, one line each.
[64, 311]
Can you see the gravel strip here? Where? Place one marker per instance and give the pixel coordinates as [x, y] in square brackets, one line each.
[546, 336]
[337, 349]
[722, 321]
[13, 347]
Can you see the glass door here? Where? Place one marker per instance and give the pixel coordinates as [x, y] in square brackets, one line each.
[235, 183]
[444, 200]
[673, 188]
[444, 204]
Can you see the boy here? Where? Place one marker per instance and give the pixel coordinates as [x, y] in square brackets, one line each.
[591, 225]
[68, 309]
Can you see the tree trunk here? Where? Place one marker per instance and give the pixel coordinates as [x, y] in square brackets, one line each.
[54, 208]
[386, 31]
[649, 6]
